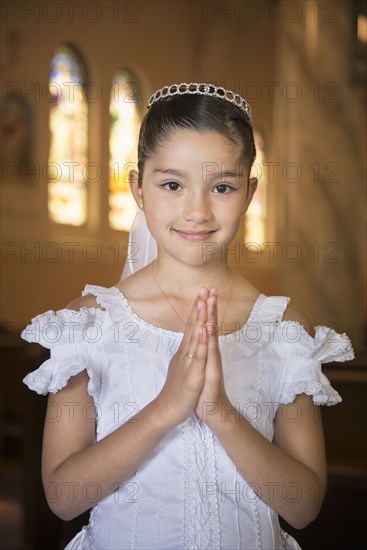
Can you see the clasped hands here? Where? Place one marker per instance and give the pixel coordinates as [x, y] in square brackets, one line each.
[195, 377]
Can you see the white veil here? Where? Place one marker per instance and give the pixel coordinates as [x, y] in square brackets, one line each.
[142, 247]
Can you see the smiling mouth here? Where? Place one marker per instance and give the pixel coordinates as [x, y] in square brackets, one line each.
[194, 235]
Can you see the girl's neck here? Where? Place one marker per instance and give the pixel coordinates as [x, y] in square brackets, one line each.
[182, 279]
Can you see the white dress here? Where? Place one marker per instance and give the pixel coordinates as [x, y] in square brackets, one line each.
[187, 494]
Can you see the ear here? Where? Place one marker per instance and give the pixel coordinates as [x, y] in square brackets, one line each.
[135, 189]
[252, 186]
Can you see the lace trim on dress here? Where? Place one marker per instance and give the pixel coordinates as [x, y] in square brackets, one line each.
[112, 297]
[257, 521]
[214, 506]
[44, 380]
[264, 326]
[201, 508]
[326, 346]
[260, 370]
[126, 361]
[234, 336]
[189, 481]
[134, 525]
[47, 379]
[257, 330]
[52, 328]
[93, 517]
[304, 355]
[67, 334]
[322, 394]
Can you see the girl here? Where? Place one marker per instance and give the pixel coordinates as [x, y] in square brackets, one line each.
[184, 397]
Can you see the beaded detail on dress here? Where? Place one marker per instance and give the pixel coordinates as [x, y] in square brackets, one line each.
[201, 511]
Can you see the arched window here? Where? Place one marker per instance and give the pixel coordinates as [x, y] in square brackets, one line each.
[124, 134]
[68, 123]
[256, 215]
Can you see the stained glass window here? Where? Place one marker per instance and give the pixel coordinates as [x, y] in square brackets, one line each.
[124, 134]
[68, 123]
[255, 219]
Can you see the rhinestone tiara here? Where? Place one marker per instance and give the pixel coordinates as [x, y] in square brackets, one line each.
[202, 88]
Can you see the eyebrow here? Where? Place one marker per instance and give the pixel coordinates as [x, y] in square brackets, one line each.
[228, 173]
[169, 171]
[211, 175]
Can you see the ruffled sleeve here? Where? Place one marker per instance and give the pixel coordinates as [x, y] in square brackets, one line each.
[70, 335]
[303, 357]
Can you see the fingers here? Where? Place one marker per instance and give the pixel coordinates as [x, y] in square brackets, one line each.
[194, 310]
[212, 326]
[210, 298]
[196, 343]
[192, 340]
[214, 373]
[202, 323]
[212, 312]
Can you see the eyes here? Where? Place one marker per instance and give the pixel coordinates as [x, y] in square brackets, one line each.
[222, 188]
[171, 186]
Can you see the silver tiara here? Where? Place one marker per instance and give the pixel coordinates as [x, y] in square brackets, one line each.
[202, 89]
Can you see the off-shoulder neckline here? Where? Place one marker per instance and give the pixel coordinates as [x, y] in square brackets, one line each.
[177, 334]
[325, 343]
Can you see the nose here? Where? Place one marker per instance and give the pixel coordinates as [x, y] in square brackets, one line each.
[197, 208]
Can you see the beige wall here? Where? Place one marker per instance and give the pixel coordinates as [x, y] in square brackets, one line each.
[324, 135]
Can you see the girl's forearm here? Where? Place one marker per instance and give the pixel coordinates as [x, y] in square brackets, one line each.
[289, 487]
[95, 472]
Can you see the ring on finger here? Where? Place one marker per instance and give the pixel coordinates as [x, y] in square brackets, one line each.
[188, 354]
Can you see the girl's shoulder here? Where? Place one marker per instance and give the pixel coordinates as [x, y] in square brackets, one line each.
[293, 314]
[136, 285]
[249, 294]
[83, 301]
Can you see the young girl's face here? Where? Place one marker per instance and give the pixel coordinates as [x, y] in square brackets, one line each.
[195, 190]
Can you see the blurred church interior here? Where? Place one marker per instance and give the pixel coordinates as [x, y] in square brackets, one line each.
[76, 77]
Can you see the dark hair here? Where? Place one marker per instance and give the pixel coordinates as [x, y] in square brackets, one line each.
[194, 112]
